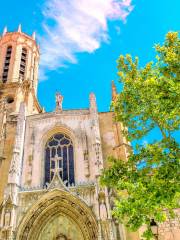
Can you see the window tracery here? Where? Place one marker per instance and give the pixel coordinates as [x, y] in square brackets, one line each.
[59, 150]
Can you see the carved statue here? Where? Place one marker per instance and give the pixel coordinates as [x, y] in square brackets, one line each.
[103, 210]
[59, 100]
[7, 219]
[102, 206]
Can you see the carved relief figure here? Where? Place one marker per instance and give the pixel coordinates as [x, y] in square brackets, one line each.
[7, 218]
[59, 100]
[103, 210]
[102, 207]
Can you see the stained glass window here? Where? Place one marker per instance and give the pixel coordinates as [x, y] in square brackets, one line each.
[59, 150]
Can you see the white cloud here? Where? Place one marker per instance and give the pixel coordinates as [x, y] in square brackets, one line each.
[72, 26]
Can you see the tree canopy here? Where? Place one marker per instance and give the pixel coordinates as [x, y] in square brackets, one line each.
[148, 183]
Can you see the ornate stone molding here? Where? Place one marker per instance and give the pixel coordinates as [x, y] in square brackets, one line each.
[57, 202]
[16, 162]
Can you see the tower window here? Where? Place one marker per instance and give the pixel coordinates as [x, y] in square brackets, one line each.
[23, 64]
[6, 64]
[59, 157]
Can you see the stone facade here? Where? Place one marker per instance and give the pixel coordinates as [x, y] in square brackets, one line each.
[31, 207]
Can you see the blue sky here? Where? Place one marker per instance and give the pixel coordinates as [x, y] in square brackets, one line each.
[94, 67]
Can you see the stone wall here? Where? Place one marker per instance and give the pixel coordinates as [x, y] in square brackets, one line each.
[8, 129]
[170, 230]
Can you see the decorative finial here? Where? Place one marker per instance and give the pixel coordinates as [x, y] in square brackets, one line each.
[59, 100]
[114, 91]
[93, 105]
[4, 31]
[34, 36]
[19, 28]
[92, 97]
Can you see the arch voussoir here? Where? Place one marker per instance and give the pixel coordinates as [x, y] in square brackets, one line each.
[50, 205]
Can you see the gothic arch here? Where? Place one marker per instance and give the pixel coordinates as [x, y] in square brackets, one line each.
[58, 128]
[54, 203]
[59, 158]
[47, 135]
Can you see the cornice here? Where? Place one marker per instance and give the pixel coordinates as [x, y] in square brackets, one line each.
[17, 34]
[9, 85]
[62, 113]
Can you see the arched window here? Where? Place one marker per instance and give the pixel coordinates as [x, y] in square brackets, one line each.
[23, 64]
[6, 64]
[59, 154]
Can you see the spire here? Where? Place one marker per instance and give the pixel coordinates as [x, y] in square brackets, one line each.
[114, 90]
[34, 36]
[19, 28]
[4, 31]
[93, 105]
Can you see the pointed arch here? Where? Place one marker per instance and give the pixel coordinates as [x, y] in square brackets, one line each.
[59, 157]
[46, 138]
[53, 203]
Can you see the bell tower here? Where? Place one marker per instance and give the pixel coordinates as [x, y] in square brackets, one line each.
[19, 60]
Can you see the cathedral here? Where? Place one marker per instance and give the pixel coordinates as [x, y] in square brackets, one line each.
[50, 162]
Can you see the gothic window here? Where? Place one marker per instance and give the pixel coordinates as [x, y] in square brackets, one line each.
[59, 156]
[23, 63]
[6, 64]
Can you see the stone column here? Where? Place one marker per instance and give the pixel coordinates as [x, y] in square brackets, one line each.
[10, 203]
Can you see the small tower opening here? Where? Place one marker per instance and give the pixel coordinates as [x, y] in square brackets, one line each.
[6, 64]
[23, 64]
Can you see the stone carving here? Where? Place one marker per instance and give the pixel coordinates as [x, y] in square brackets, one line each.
[7, 218]
[98, 157]
[93, 105]
[86, 154]
[96, 135]
[103, 210]
[3, 118]
[66, 203]
[59, 100]
[11, 192]
[15, 168]
[57, 181]
[102, 206]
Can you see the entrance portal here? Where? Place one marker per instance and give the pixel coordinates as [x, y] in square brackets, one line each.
[61, 228]
[58, 215]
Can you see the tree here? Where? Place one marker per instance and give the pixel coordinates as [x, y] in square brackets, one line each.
[148, 183]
